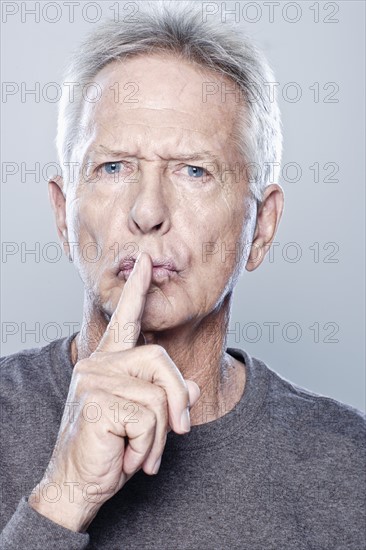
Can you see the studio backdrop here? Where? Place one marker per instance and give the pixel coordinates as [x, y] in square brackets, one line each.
[302, 311]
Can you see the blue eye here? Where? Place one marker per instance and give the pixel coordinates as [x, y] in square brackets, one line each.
[112, 167]
[200, 174]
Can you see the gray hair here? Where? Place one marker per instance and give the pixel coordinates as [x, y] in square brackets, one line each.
[181, 29]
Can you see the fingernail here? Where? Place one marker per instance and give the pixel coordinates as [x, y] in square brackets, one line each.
[157, 466]
[185, 421]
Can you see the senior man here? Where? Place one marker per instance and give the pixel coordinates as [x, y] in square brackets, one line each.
[157, 435]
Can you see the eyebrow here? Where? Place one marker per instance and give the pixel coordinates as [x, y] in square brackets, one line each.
[196, 155]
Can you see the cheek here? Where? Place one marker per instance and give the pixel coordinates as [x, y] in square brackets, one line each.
[221, 239]
[86, 235]
[216, 259]
[91, 223]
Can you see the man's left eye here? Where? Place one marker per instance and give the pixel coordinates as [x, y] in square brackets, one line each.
[112, 167]
[196, 171]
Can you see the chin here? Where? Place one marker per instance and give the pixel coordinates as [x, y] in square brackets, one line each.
[158, 319]
[161, 314]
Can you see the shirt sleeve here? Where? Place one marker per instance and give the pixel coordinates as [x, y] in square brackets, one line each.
[29, 529]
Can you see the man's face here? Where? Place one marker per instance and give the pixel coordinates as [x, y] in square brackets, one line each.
[148, 198]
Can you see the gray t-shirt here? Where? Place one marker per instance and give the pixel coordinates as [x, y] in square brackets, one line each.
[284, 470]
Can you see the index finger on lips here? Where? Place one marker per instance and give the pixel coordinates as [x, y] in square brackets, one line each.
[124, 326]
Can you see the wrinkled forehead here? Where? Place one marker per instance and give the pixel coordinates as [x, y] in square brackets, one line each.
[161, 91]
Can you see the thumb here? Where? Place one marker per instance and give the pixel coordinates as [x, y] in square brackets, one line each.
[194, 392]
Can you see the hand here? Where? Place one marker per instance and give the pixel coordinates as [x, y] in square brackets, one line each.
[128, 397]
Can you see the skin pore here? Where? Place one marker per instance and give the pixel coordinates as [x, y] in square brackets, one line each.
[150, 114]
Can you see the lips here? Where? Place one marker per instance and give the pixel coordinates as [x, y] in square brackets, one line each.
[164, 269]
[164, 262]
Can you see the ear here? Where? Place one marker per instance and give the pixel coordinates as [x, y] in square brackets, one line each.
[268, 218]
[58, 203]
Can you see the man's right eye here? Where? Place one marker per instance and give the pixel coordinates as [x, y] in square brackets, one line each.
[112, 167]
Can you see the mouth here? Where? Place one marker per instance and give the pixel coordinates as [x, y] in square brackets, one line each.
[164, 269]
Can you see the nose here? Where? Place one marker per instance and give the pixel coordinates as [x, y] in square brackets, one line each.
[150, 211]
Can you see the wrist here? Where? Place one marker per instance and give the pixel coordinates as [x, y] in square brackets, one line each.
[69, 513]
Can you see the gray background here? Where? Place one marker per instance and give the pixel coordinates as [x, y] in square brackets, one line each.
[305, 293]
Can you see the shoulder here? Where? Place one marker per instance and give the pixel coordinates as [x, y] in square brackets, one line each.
[306, 423]
[290, 405]
[302, 407]
[35, 371]
[322, 443]
[17, 366]
[320, 439]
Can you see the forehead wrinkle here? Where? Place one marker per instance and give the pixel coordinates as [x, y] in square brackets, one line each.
[179, 138]
[157, 109]
[194, 155]
[126, 124]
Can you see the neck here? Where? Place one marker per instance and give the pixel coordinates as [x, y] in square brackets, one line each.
[197, 349]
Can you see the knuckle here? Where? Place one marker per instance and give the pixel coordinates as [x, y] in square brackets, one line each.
[148, 417]
[81, 366]
[98, 356]
[95, 396]
[156, 351]
[84, 382]
[159, 397]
